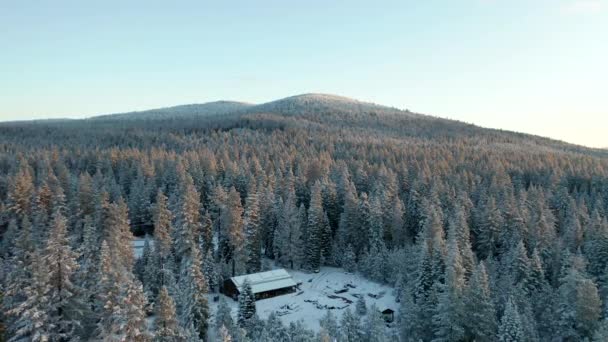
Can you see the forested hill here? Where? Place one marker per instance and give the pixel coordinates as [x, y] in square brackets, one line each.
[321, 112]
[485, 235]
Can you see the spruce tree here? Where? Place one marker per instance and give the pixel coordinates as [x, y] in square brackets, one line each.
[135, 328]
[481, 324]
[166, 327]
[193, 305]
[251, 223]
[316, 221]
[510, 329]
[64, 299]
[330, 324]
[247, 308]
[351, 329]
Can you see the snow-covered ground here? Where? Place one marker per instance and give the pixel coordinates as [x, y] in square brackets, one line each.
[138, 245]
[331, 288]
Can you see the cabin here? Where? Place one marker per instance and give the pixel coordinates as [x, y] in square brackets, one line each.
[263, 284]
[388, 315]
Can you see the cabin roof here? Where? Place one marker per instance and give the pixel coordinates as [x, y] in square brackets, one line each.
[265, 281]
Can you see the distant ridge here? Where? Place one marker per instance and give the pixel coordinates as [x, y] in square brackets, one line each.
[209, 108]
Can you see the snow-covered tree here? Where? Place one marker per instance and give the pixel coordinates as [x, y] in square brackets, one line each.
[315, 228]
[193, 305]
[247, 308]
[252, 228]
[135, 328]
[481, 323]
[223, 316]
[65, 302]
[329, 323]
[374, 326]
[351, 329]
[511, 329]
[166, 327]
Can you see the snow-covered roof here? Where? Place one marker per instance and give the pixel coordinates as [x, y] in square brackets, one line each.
[266, 281]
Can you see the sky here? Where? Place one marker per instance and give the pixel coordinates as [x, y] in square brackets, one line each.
[531, 66]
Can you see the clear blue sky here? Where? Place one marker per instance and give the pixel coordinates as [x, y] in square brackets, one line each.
[527, 65]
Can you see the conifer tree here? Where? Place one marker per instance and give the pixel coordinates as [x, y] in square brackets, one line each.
[330, 324]
[316, 221]
[135, 328]
[193, 305]
[511, 329]
[350, 327]
[233, 229]
[251, 223]
[449, 317]
[31, 317]
[64, 298]
[162, 226]
[374, 326]
[223, 317]
[206, 233]
[481, 325]
[187, 227]
[247, 308]
[21, 190]
[166, 327]
[288, 240]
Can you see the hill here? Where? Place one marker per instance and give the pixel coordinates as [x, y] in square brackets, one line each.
[209, 108]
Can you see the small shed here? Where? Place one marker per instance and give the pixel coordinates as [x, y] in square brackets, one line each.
[263, 284]
[389, 315]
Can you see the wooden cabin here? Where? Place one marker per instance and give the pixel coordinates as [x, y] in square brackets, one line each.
[388, 315]
[263, 284]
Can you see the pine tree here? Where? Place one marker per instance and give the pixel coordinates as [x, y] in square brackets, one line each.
[578, 305]
[21, 190]
[288, 240]
[247, 308]
[350, 327]
[20, 273]
[166, 327]
[194, 308]
[252, 233]
[187, 227]
[449, 317]
[210, 271]
[511, 329]
[374, 326]
[206, 233]
[330, 324]
[135, 328]
[65, 298]
[348, 259]
[223, 316]
[316, 220]
[481, 324]
[233, 229]
[118, 237]
[162, 226]
[32, 320]
[109, 305]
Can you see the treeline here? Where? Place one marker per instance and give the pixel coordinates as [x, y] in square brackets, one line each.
[484, 237]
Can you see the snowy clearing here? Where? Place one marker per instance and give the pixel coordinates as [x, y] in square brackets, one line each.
[331, 288]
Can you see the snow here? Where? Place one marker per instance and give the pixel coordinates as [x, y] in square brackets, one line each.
[331, 288]
[138, 246]
[265, 281]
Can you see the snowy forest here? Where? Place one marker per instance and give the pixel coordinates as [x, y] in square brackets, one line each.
[485, 235]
